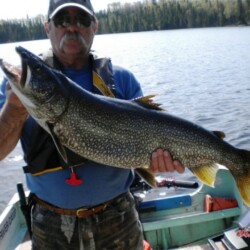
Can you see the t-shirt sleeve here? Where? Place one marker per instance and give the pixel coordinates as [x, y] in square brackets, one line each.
[2, 92]
[127, 86]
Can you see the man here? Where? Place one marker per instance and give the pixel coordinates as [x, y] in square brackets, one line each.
[87, 206]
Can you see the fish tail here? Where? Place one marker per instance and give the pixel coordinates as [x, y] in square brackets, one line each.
[243, 180]
[147, 175]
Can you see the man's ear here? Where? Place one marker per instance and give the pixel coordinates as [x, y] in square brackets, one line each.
[95, 27]
[46, 27]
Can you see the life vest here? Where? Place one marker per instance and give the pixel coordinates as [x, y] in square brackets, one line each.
[41, 155]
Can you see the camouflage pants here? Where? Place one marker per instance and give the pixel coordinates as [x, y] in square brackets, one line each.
[116, 228]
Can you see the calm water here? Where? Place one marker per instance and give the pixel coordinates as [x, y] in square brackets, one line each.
[200, 74]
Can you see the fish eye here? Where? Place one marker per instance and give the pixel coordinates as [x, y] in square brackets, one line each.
[37, 68]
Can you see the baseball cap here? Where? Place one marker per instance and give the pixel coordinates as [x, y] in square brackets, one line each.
[56, 5]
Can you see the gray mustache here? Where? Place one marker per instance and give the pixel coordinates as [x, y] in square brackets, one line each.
[74, 36]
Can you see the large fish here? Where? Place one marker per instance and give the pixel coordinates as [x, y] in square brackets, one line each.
[120, 133]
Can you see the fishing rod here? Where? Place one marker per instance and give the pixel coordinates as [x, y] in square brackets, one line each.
[140, 185]
[177, 183]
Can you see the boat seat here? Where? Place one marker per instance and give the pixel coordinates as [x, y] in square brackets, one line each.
[166, 203]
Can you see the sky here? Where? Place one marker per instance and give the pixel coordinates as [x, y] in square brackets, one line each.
[21, 8]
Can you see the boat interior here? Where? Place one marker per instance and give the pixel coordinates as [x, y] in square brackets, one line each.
[181, 214]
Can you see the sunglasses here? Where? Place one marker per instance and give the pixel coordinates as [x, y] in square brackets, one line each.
[65, 21]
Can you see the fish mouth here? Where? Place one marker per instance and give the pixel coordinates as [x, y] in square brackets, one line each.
[24, 74]
[16, 76]
[13, 73]
[24, 65]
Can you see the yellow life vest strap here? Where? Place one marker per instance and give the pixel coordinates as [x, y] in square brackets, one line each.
[47, 171]
[101, 85]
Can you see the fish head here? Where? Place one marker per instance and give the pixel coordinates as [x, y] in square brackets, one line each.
[37, 79]
[40, 88]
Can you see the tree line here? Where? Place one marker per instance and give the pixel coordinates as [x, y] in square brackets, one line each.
[173, 14]
[25, 29]
[143, 16]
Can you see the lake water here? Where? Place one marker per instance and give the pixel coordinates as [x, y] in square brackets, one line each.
[200, 74]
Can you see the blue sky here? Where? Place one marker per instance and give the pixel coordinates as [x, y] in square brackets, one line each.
[34, 7]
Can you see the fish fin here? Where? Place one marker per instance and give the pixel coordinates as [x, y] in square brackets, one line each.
[60, 148]
[206, 174]
[147, 102]
[219, 134]
[243, 185]
[147, 175]
[243, 181]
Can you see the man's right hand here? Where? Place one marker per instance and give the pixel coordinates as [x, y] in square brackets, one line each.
[12, 118]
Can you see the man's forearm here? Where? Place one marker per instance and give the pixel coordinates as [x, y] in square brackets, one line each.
[12, 119]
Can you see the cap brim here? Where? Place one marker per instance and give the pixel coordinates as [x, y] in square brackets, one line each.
[71, 5]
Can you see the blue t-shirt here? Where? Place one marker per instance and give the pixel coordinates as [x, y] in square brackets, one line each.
[100, 183]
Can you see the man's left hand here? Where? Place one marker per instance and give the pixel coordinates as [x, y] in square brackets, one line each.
[161, 161]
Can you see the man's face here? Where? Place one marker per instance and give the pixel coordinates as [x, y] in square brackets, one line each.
[71, 32]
